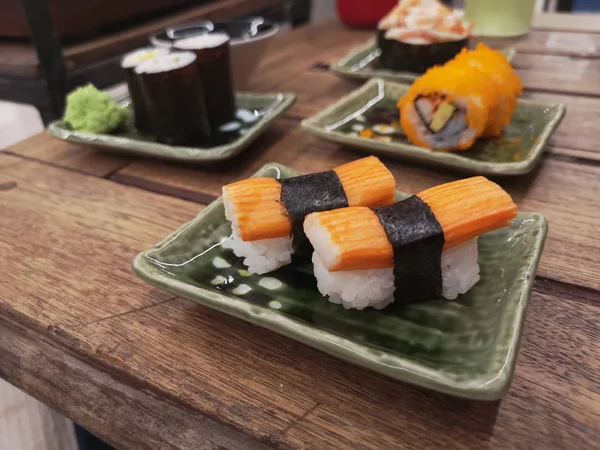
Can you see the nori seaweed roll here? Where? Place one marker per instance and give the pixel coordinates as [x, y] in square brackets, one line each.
[129, 62]
[173, 93]
[419, 34]
[214, 63]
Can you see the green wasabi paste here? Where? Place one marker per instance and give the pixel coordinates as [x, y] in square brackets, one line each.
[91, 110]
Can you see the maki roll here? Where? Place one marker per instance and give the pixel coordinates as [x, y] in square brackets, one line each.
[267, 214]
[419, 34]
[173, 94]
[450, 106]
[214, 63]
[129, 62]
[422, 247]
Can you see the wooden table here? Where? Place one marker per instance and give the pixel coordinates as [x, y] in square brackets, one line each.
[146, 370]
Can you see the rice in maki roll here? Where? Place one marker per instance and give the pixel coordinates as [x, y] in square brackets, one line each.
[129, 62]
[173, 93]
[418, 34]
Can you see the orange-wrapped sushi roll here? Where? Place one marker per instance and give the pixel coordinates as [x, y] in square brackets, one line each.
[450, 106]
[267, 214]
[494, 65]
[422, 247]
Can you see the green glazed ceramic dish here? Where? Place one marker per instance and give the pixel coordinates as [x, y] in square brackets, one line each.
[360, 63]
[467, 347]
[516, 152]
[265, 107]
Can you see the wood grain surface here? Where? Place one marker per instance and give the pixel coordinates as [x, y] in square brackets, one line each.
[146, 370]
[61, 235]
[81, 158]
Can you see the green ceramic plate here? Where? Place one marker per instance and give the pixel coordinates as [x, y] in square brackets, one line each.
[264, 107]
[514, 153]
[465, 347]
[361, 63]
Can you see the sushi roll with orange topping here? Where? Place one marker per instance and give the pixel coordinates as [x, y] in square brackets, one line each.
[451, 106]
[267, 214]
[422, 247]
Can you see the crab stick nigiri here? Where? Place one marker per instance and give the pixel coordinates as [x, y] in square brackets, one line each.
[267, 214]
[421, 247]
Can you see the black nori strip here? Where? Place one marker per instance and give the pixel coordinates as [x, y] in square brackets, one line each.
[214, 65]
[138, 102]
[404, 57]
[176, 107]
[418, 240]
[306, 194]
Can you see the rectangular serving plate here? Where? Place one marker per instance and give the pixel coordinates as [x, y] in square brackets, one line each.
[358, 63]
[525, 137]
[269, 106]
[467, 347]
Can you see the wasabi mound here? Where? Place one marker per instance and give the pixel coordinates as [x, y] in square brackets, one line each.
[91, 110]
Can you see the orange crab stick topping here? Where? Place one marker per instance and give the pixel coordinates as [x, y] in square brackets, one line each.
[259, 214]
[353, 238]
[468, 208]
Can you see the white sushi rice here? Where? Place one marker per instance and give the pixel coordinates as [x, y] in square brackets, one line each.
[136, 57]
[166, 63]
[359, 289]
[260, 256]
[208, 40]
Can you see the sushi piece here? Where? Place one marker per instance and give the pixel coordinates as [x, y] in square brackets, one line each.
[128, 63]
[447, 108]
[419, 34]
[267, 214]
[419, 248]
[173, 94]
[451, 106]
[214, 63]
[494, 65]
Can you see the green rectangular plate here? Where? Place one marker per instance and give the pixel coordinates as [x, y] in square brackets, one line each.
[467, 347]
[358, 63]
[516, 152]
[131, 141]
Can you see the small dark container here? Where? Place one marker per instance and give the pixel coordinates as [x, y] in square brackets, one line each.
[175, 101]
[403, 57]
[214, 64]
[129, 62]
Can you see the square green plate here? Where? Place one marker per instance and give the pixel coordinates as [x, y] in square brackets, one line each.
[266, 106]
[516, 152]
[467, 347]
[359, 63]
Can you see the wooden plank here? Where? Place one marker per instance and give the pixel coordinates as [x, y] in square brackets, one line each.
[126, 416]
[576, 44]
[62, 236]
[571, 248]
[193, 354]
[290, 55]
[81, 158]
[579, 22]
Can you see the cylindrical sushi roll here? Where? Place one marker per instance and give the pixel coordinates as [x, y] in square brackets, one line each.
[494, 65]
[448, 107]
[419, 248]
[419, 34]
[129, 62]
[173, 94]
[267, 214]
[214, 62]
